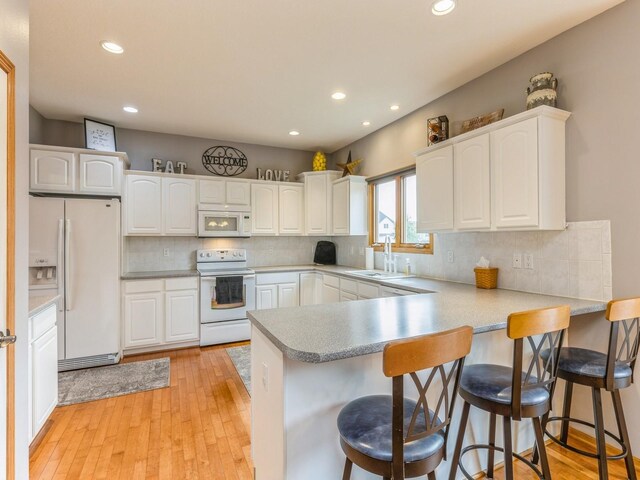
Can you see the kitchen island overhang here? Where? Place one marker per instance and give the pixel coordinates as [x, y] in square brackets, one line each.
[308, 362]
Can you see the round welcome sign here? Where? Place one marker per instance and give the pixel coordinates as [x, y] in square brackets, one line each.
[225, 161]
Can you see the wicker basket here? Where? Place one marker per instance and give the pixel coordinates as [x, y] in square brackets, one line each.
[486, 277]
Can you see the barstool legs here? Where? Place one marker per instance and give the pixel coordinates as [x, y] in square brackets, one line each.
[540, 447]
[348, 465]
[624, 434]
[492, 442]
[456, 454]
[600, 441]
[566, 411]
[508, 449]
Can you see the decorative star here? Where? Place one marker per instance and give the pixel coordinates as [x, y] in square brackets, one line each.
[350, 167]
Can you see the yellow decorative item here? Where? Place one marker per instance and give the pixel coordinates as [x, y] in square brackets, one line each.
[319, 162]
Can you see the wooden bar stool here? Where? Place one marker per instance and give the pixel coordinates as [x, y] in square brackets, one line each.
[393, 436]
[611, 372]
[513, 393]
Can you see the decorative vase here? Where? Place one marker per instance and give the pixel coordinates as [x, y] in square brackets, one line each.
[542, 91]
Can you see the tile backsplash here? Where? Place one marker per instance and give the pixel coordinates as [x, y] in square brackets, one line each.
[575, 262]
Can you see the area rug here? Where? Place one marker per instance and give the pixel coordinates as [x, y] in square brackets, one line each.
[241, 358]
[89, 384]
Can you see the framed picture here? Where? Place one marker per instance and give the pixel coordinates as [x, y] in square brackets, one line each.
[99, 136]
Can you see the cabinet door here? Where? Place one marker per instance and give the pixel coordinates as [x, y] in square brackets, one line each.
[100, 174]
[330, 294]
[143, 318]
[52, 171]
[238, 193]
[143, 205]
[434, 177]
[317, 205]
[264, 209]
[309, 288]
[514, 175]
[341, 203]
[291, 207]
[472, 184]
[179, 206]
[288, 295]
[266, 297]
[181, 316]
[348, 297]
[44, 363]
[212, 191]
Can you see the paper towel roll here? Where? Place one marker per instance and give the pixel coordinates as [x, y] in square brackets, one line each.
[368, 258]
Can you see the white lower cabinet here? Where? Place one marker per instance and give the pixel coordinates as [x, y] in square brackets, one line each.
[277, 290]
[367, 291]
[160, 312]
[43, 368]
[310, 288]
[330, 289]
[394, 292]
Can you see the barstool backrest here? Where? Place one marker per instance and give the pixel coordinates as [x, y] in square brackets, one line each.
[623, 345]
[543, 329]
[412, 355]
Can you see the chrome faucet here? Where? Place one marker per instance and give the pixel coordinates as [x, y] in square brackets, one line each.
[387, 253]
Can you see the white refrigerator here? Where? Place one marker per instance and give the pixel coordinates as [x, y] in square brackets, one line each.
[74, 250]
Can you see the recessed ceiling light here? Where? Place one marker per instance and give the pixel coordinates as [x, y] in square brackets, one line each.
[366, 123]
[442, 7]
[112, 47]
[294, 133]
[395, 107]
[339, 96]
[130, 109]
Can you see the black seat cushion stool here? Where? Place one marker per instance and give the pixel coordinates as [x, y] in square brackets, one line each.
[365, 425]
[580, 361]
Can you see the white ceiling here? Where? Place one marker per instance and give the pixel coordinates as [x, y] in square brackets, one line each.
[252, 70]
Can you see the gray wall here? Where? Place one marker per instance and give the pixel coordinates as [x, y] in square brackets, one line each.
[142, 146]
[14, 42]
[599, 74]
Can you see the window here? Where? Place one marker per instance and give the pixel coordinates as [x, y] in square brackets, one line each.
[393, 214]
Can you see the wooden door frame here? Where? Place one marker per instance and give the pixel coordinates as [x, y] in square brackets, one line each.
[9, 68]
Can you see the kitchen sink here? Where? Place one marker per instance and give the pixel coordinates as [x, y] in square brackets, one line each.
[378, 274]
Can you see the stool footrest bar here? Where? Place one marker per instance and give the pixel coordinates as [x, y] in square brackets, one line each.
[482, 446]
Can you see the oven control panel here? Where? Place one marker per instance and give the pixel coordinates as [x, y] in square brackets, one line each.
[222, 255]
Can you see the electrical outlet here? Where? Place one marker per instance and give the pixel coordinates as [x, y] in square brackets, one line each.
[528, 261]
[166, 252]
[517, 260]
[450, 256]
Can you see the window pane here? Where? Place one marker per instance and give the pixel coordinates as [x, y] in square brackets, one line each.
[386, 211]
[410, 213]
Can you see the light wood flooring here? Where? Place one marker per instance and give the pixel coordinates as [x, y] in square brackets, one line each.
[197, 428]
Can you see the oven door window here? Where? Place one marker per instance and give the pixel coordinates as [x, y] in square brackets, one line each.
[228, 292]
[220, 223]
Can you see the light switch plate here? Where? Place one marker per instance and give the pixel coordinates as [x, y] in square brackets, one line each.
[517, 260]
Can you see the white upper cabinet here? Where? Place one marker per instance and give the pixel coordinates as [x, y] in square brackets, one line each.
[238, 193]
[472, 184]
[434, 178]
[509, 175]
[99, 174]
[318, 201]
[514, 161]
[291, 209]
[264, 209]
[143, 205]
[349, 205]
[75, 171]
[53, 171]
[212, 191]
[179, 206]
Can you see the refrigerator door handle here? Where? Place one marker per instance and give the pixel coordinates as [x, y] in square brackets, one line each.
[67, 266]
[61, 269]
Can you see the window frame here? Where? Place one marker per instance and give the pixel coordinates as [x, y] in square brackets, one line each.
[397, 246]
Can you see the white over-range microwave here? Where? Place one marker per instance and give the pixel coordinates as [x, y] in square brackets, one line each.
[223, 223]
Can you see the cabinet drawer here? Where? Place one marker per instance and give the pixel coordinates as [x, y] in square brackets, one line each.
[331, 281]
[143, 286]
[348, 285]
[275, 278]
[42, 322]
[188, 283]
[367, 290]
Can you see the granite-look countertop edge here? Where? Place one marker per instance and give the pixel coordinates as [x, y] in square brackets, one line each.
[159, 274]
[38, 303]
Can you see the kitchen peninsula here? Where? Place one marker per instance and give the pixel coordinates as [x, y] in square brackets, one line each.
[308, 362]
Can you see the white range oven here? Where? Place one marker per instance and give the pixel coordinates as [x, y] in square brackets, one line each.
[227, 292]
[224, 223]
